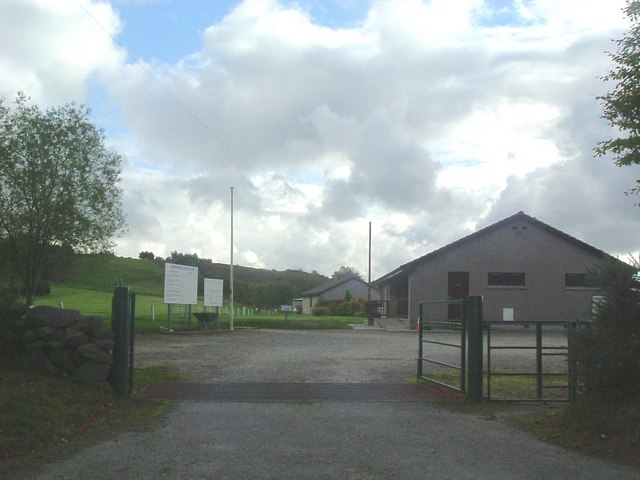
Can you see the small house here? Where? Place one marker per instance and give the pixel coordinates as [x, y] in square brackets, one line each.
[335, 290]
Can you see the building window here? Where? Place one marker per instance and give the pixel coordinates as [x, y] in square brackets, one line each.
[506, 279]
[576, 280]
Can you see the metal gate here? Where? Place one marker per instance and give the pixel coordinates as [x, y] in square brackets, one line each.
[469, 347]
[525, 362]
[542, 366]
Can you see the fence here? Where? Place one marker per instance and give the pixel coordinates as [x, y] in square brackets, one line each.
[469, 346]
[525, 361]
[541, 364]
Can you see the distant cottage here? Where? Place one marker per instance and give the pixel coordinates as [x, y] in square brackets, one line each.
[335, 290]
[525, 269]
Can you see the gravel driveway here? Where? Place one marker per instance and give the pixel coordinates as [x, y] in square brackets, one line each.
[315, 440]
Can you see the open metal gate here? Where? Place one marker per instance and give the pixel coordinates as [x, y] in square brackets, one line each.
[470, 366]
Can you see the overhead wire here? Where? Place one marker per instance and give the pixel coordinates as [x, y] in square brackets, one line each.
[164, 88]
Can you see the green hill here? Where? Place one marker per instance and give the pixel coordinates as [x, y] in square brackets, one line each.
[102, 271]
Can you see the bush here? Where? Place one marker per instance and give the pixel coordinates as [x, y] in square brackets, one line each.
[348, 309]
[608, 353]
[321, 311]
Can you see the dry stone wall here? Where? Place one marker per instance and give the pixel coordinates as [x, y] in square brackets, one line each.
[60, 341]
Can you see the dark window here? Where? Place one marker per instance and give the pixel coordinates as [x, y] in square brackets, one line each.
[506, 279]
[575, 280]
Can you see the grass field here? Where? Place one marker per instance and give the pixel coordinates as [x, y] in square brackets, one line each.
[98, 302]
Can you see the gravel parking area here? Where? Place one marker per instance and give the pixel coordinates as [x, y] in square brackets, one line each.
[353, 440]
[338, 356]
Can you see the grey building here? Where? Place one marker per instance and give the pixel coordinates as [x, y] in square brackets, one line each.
[525, 269]
[335, 290]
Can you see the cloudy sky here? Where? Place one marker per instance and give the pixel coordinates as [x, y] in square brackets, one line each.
[428, 118]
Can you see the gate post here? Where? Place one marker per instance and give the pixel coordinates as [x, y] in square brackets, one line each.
[473, 312]
[122, 312]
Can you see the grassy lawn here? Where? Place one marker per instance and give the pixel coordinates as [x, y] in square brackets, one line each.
[98, 302]
[606, 430]
[41, 415]
[511, 387]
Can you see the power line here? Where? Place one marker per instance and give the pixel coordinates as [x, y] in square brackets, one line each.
[164, 88]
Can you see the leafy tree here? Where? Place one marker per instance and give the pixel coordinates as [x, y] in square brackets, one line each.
[59, 186]
[146, 255]
[609, 352]
[621, 106]
[346, 272]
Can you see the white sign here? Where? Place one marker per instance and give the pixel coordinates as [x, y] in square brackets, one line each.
[180, 284]
[286, 308]
[213, 292]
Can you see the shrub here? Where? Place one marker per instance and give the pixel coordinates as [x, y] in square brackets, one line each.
[320, 311]
[348, 309]
[608, 353]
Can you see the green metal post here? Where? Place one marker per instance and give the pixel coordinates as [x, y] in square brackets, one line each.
[132, 327]
[463, 348]
[473, 311]
[120, 325]
[539, 367]
[571, 328]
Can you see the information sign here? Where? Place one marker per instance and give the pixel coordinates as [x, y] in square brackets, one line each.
[180, 284]
[213, 292]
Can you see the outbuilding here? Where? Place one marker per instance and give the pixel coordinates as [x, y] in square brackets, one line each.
[335, 290]
[525, 269]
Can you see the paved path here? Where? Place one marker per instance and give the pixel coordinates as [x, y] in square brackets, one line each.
[312, 437]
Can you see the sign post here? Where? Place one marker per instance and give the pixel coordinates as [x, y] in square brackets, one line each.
[180, 287]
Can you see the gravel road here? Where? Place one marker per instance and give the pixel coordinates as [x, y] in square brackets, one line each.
[315, 440]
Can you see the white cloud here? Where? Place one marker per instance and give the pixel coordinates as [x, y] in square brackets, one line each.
[51, 50]
[426, 117]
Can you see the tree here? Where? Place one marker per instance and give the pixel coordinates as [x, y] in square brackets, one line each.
[621, 106]
[346, 272]
[59, 186]
[146, 255]
[608, 353]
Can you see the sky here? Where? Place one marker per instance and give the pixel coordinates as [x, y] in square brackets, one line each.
[430, 119]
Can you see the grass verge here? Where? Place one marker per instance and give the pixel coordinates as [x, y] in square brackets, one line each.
[607, 430]
[602, 429]
[42, 417]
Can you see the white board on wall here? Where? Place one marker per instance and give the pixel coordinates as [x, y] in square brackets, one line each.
[180, 284]
[213, 292]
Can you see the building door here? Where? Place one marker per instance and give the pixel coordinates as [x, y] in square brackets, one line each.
[458, 288]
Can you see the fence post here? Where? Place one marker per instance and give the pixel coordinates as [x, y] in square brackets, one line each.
[571, 328]
[539, 384]
[473, 311]
[121, 327]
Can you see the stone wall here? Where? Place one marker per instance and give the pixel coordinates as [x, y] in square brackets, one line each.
[60, 341]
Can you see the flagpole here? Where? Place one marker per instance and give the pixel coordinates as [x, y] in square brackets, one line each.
[231, 268]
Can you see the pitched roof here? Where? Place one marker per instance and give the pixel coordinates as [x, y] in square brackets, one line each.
[520, 216]
[331, 284]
